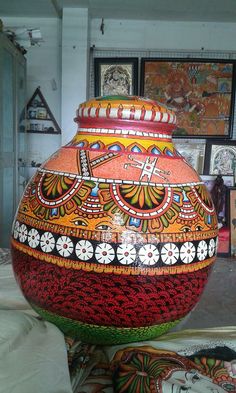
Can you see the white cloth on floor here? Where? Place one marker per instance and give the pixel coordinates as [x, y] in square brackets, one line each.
[11, 297]
[33, 357]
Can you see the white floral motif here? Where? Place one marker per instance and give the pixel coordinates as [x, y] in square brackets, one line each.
[84, 250]
[64, 246]
[47, 242]
[16, 230]
[211, 248]
[169, 253]
[187, 252]
[202, 250]
[104, 253]
[126, 254]
[149, 254]
[33, 238]
[23, 233]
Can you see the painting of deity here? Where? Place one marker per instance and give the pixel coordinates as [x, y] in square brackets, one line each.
[199, 91]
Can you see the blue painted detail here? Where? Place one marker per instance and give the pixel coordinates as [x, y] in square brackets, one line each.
[209, 219]
[95, 146]
[136, 149]
[176, 198]
[81, 144]
[134, 222]
[94, 191]
[169, 153]
[185, 199]
[115, 148]
[54, 211]
[155, 151]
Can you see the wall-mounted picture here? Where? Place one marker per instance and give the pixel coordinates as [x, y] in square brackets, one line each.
[220, 158]
[232, 198]
[116, 76]
[193, 153]
[199, 91]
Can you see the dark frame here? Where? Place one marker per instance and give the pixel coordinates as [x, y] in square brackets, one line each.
[195, 90]
[218, 147]
[109, 63]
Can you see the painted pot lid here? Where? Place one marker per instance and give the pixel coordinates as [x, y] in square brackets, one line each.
[131, 108]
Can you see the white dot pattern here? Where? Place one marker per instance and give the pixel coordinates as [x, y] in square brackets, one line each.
[147, 255]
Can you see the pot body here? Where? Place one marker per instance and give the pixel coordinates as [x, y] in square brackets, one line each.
[116, 234]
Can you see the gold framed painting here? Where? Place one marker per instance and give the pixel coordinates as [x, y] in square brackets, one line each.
[199, 91]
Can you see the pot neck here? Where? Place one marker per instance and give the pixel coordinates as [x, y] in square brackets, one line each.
[138, 137]
[126, 128]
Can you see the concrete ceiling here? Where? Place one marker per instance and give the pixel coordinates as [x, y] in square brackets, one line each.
[179, 10]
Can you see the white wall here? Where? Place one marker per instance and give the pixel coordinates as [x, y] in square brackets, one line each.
[213, 40]
[44, 70]
[163, 35]
[74, 75]
[63, 58]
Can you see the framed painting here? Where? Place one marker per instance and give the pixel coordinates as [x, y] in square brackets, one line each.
[220, 158]
[194, 153]
[232, 199]
[116, 76]
[199, 91]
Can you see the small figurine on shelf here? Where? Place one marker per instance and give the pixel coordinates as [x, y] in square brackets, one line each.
[218, 194]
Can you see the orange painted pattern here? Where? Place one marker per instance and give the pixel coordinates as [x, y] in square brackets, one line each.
[128, 167]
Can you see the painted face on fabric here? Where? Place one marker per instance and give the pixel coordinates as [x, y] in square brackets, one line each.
[190, 381]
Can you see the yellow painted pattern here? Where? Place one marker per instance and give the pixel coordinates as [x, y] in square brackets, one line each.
[125, 141]
[64, 226]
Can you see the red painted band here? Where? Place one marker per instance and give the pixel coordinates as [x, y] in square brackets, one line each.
[125, 124]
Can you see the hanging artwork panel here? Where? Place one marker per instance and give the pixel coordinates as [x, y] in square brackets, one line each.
[199, 91]
[116, 76]
[220, 158]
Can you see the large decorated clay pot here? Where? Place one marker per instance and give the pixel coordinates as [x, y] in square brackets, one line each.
[116, 234]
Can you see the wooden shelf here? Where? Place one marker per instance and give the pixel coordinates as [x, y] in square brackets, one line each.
[43, 132]
[37, 103]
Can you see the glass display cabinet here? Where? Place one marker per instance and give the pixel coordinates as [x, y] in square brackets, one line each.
[13, 143]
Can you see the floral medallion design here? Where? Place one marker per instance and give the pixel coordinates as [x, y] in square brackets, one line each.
[47, 242]
[84, 250]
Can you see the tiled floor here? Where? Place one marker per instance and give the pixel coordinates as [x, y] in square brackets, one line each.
[217, 306]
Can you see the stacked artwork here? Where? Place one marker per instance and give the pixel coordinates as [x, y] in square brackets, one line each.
[201, 94]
